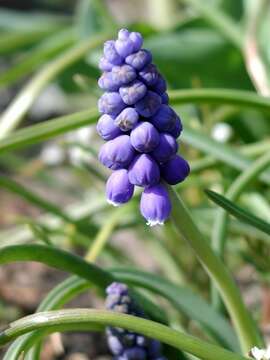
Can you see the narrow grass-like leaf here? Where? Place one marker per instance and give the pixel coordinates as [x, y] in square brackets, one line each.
[191, 304]
[239, 98]
[239, 212]
[63, 260]
[243, 322]
[47, 130]
[55, 299]
[88, 319]
[73, 264]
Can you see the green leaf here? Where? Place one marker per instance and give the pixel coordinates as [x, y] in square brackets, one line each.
[70, 263]
[73, 264]
[191, 304]
[238, 212]
[55, 299]
[47, 130]
[88, 319]
[239, 98]
[244, 324]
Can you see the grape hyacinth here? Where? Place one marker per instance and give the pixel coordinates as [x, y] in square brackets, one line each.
[139, 126]
[124, 344]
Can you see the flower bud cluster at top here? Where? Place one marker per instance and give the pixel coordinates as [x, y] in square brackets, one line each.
[124, 344]
[139, 126]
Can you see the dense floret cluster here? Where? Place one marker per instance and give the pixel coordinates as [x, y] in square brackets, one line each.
[139, 126]
[126, 345]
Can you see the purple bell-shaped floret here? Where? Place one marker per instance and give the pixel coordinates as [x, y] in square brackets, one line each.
[155, 205]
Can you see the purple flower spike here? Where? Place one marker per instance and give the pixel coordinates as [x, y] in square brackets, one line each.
[144, 171]
[144, 137]
[111, 103]
[165, 98]
[118, 188]
[164, 119]
[177, 129]
[124, 344]
[123, 75]
[149, 75]
[104, 64]
[123, 34]
[155, 205]
[139, 59]
[117, 153]
[166, 149]
[133, 92]
[137, 40]
[107, 128]
[117, 289]
[160, 86]
[154, 349]
[127, 119]
[175, 170]
[149, 104]
[124, 45]
[105, 82]
[141, 130]
[115, 345]
[111, 54]
[135, 353]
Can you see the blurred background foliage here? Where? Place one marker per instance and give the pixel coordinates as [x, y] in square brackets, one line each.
[52, 192]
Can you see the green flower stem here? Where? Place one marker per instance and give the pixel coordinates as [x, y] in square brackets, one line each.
[87, 319]
[104, 235]
[220, 96]
[22, 102]
[244, 325]
[219, 20]
[233, 193]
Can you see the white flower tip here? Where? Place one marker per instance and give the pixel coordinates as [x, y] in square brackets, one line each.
[113, 203]
[154, 223]
[260, 354]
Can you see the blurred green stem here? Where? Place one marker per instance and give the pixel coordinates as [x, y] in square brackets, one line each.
[233, 193]
[244, 324]
[22, 102]
[217, 18]
[104, 234]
